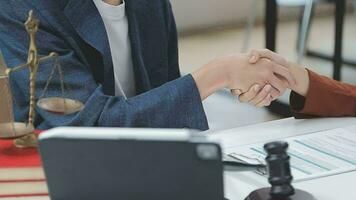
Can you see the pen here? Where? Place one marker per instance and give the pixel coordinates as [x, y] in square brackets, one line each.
[239, 165]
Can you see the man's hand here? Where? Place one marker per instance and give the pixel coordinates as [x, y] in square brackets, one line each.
[238, 72]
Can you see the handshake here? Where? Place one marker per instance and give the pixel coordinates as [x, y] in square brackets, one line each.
[257, 78]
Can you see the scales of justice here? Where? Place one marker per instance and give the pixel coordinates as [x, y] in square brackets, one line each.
[23, 132]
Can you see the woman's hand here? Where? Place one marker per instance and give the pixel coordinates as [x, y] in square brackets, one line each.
[257, 95]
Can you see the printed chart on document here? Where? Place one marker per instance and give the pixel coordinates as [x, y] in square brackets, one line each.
[312, 155]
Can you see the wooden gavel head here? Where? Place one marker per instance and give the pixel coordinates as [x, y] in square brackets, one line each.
[280, 177]
[278, 166]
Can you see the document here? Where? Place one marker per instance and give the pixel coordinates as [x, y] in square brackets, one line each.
[312, 155]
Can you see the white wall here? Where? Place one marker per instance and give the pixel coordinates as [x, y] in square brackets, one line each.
[196, 14]
[199, 14]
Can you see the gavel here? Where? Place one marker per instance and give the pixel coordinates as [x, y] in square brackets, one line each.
[279, 176]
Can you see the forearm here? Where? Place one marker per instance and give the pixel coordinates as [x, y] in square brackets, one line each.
[324, 98]
[175, 104]
[210, 79]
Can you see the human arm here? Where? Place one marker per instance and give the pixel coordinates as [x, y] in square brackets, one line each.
[236, 73]
[324, 97]
[175, 104]
[314, 95]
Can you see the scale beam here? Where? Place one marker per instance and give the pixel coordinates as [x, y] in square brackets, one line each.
[26, 65]
[24, 131]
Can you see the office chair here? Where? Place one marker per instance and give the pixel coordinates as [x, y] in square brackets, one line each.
[303, 28]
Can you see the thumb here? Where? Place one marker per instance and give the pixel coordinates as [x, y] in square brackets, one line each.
[254, 57]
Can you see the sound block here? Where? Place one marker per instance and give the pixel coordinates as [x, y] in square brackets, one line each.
[263, 194]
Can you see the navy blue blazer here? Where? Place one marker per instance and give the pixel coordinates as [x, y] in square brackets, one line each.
[75, 30]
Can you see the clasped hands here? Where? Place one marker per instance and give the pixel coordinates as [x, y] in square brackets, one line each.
[260, 94]
[257, 78]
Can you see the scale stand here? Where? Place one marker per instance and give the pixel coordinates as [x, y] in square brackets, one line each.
[23, 133]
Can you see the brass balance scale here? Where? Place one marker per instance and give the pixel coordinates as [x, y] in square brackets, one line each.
[23, 132]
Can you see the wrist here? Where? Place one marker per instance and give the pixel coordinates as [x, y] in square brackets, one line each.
[233, 69]
[302, 79]
[209, 79]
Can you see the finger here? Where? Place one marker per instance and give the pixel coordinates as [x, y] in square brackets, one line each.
[278, 84]
[285, 73]
[236, 92]
[265, 92]
[282, 78]
[266, 53]
[275, 94]
[265, 102]
[254, 56]
[248, 96]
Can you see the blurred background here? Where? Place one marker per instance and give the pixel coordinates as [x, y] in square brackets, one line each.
[306, 30]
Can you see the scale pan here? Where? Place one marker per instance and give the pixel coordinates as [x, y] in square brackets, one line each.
[15, 130]
[62, 106]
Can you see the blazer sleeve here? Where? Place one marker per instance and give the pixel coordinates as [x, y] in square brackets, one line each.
[176, 104]
[325, 98]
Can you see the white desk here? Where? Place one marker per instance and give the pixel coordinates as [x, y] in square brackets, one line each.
[239, 184]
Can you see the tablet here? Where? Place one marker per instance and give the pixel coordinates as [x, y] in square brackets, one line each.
[130, 164]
